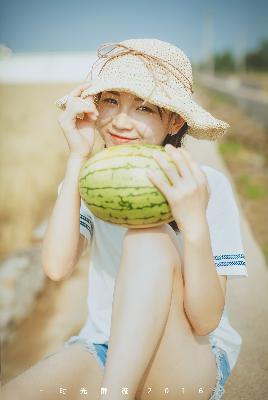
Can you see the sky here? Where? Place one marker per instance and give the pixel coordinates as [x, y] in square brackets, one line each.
[197, 27]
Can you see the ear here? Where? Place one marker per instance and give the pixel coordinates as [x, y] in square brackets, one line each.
[176, 123]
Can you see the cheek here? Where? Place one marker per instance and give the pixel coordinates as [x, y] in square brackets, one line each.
[154, 131]
[104, 117]
[106, 111]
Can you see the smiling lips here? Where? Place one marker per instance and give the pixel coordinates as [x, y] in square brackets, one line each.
[121, 138]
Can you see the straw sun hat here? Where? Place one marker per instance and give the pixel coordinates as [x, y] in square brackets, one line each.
[158, 72]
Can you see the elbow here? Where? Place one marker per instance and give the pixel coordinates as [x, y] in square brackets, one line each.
[52, 271]
[55, 273]
[52, 275]
[49, 270]
[207, 327]
[203, 326]
[204, 331]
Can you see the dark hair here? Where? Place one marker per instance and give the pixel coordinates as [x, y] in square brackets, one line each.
[175, 139]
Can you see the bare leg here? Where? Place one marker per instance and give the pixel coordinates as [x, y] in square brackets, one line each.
[141, 304]
[70, 368]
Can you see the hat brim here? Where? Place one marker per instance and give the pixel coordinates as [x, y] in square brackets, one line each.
[202, 125]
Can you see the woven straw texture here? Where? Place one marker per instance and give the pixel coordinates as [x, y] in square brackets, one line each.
[158, 72]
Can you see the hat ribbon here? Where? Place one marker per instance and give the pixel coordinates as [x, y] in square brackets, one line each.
[149, 61]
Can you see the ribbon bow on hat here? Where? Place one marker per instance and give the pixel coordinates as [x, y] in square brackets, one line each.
[129, 65]
[150, 62]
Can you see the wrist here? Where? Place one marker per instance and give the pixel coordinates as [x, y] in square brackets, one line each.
[73, 168]
[197, 231]
[75, 162]
[78, 158]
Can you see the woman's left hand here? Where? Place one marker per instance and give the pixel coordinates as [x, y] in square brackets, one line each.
[188, 195]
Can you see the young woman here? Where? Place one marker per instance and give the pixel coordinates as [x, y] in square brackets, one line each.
[157, 323]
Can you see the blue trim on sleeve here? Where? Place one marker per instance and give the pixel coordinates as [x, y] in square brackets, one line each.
[224, 260]
[87, 223]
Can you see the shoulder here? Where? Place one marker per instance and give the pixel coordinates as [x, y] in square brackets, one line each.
[214, 175]
[218, 182]
[222, 200]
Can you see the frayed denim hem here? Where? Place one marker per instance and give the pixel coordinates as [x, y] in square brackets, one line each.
[218, 390]
[87, 344]
[223, 368]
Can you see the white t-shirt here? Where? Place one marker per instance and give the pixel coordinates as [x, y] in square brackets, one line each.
[224, 226]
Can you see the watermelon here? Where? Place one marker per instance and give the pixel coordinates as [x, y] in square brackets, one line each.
[114, 186]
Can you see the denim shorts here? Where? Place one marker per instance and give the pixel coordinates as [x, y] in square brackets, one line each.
[99, 350]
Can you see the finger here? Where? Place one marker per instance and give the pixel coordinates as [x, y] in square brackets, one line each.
[85, 94]
[61, 102]
[76, 92]
[179, 160]
[159, 183]
[89, 103]
[168, 167]
[197, 173]
[79, 106]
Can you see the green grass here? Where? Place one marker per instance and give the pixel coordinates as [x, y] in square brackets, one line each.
[250, 188]
[230, 148]
[265, 251]
[219, 97]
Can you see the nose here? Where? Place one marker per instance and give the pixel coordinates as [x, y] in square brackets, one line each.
[122, 121]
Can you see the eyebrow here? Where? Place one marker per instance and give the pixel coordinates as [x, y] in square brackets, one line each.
[118, 94]
[135, 98]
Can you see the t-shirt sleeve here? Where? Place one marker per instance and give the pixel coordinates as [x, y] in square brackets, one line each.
[224, 226]
[86, 218]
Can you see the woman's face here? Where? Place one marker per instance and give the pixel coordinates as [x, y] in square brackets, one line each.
[123, 120]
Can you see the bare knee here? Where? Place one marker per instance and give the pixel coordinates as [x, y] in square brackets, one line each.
[155, 243]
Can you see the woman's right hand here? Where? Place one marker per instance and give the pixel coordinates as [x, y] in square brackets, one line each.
[79, 133]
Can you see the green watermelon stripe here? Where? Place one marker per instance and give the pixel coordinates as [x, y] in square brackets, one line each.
[126, 150]
[129, 166]
[137, 208]
[90, 163]
[129, 205]
[118, 187]
[136, 219]
[108, 157]
[111, 156]
[127, 195]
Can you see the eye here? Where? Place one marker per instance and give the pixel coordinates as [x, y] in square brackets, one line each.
[109, 98]
[147, 109]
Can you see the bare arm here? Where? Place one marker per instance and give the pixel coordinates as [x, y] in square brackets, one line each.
[63, 243]
[188, 198]
[204, 298]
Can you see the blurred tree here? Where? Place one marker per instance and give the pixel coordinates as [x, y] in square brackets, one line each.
[258, 59]
[224, 62]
